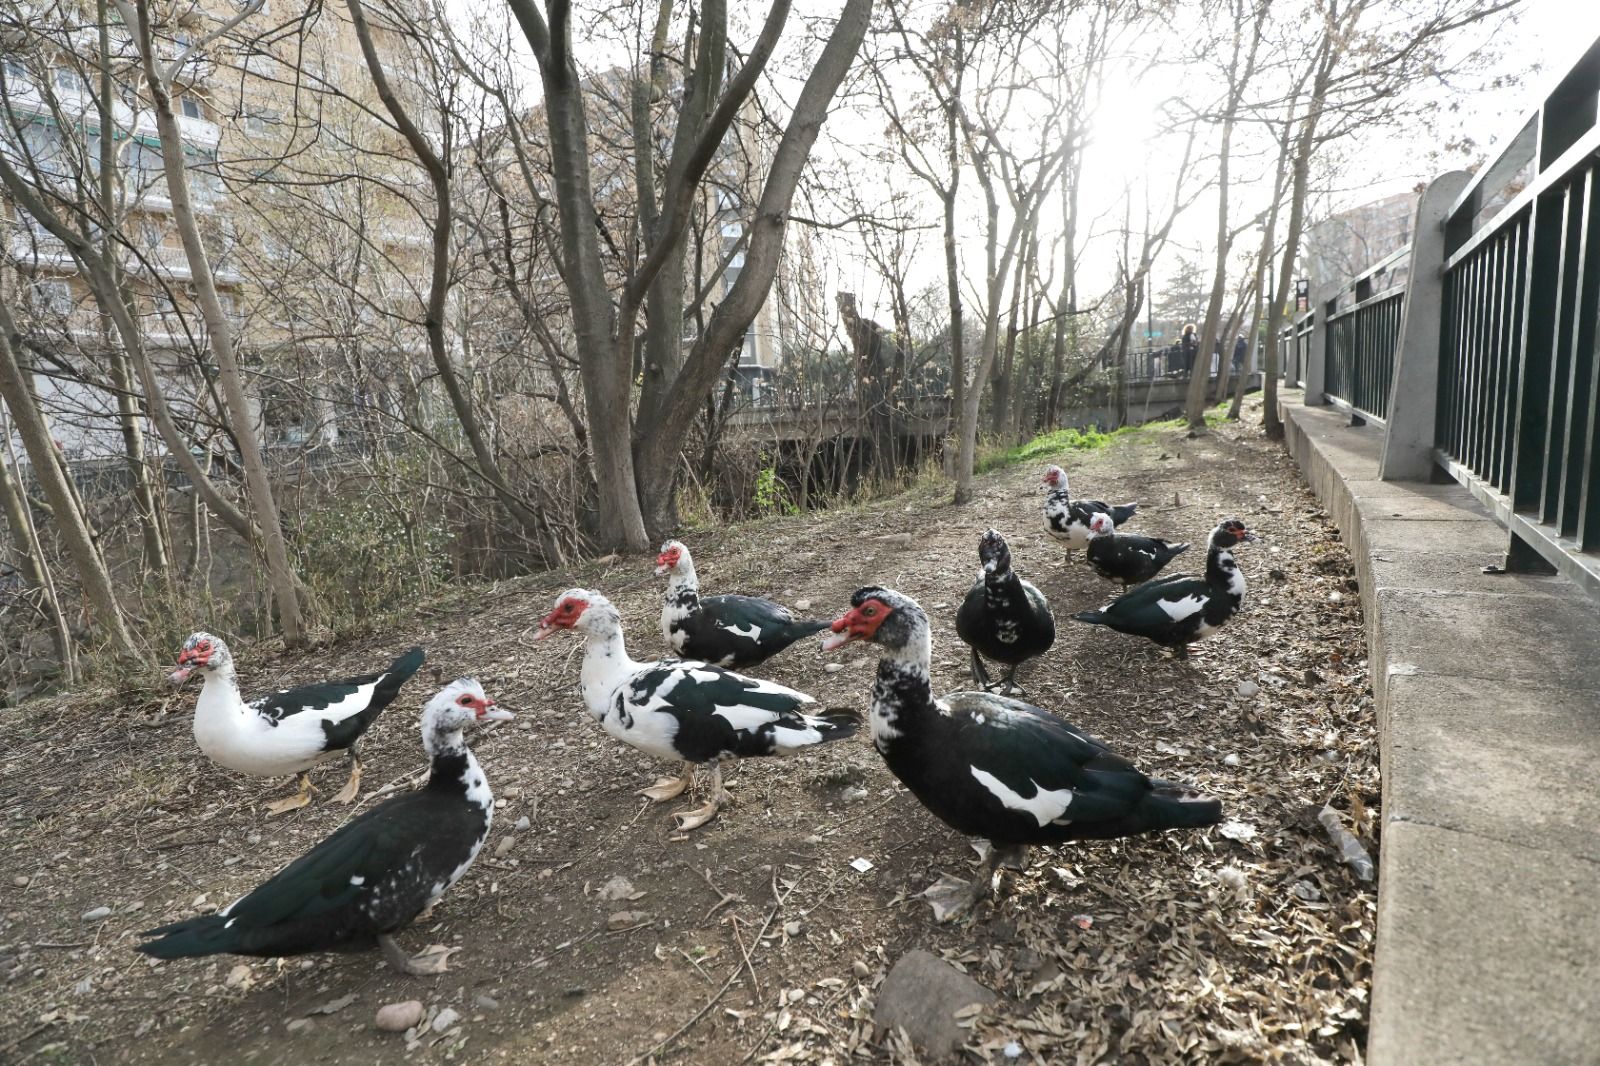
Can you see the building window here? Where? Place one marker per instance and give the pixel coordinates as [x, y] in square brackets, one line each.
[190, 106]
[52, 297]
[68, 80]
[16, 73]
[204, 179]
[260, 120]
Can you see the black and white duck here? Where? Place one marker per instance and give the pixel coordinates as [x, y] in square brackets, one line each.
[733, 631]
[1177, 610]
[681, 709]
[375, 874]
[993, 767]
[1067, 519]
[291, 730]
[1127, 557]
[1003, 618]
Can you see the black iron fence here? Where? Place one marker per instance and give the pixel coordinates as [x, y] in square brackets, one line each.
[1519, 380]
[1507, 334]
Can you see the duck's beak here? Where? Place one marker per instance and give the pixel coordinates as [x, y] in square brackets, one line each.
[840, 635]
[492, 713]
[180, 675]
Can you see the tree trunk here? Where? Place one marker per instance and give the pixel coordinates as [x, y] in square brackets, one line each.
[659, 444]
[30, 426]
[280, 571]
[30, 556]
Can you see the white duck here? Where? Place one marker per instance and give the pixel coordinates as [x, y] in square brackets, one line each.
[289, 731]
[684, 709]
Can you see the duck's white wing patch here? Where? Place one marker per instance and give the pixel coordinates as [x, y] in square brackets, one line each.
[352, 704]
[749, 719]
[787, 738]
[1046, 806]
[748, 632]
[1178, 610]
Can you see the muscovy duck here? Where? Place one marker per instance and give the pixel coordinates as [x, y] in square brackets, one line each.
[736, 631]
[1127, 557]
[684, 709]
[1067, 519]
[376, 873]
[994, 767]
[289, 731]
[1003, 618]
[1178, 610]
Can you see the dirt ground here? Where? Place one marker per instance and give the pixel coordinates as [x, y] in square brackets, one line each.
[755, 940]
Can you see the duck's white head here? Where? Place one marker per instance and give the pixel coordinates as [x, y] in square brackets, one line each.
[1100, 525]
[201, 651]
[1055, 479]
[674, 559]
[583, 610]
[456, 706]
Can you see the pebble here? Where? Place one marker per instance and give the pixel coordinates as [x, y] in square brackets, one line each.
[618, 888]
[861, 969]
[238, 975]
[445, 1019]
[523, 824]
[1013, 1050]
[98, 914]
[398, 1017]
[1248, 689]
[505, 845]
[21, 880]
[486, 1002]
[854, 793]
[625, 919]
[1230, 759]
[300, 1025]
[802, 605]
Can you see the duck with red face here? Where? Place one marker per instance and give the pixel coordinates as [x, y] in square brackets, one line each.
[1067, 519]
[1126, 557]
[288, 731]
[685, 710]
[374, 875]
[734, 631]
[997, 768]
[1177, 610]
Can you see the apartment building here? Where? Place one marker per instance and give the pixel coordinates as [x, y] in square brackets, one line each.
[288, 179]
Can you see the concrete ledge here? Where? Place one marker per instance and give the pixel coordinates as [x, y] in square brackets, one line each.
[1488, 698]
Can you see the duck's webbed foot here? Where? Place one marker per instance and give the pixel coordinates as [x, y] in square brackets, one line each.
[429, 962]
[667, 788]
[699, 816]
[301, 797]
[953, 899]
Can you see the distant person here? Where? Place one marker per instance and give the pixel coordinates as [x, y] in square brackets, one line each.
[1241, 348]
[1188, 349]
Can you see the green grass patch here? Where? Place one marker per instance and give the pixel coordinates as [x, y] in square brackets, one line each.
[1052, 443]
[1084, 440]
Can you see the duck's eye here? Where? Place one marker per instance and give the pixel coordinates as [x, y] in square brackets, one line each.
[465, 701]
[868, 612]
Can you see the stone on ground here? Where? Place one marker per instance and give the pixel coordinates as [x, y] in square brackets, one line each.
[924, 995]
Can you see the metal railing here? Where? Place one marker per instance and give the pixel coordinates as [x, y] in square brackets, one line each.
[1362, 339]
[1294, 348]
[1519, 377]
[1505, 345]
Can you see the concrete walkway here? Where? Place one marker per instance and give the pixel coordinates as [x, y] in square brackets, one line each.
[1488, 696]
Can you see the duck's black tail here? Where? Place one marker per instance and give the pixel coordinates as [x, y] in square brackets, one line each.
[1169, 805]
[1172, 552]
[799, 630]
[1094, 618]
[206, 935]
[835, 723]
[1122, 512]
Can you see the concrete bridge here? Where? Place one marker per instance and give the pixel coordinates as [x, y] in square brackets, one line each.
[1452, 426]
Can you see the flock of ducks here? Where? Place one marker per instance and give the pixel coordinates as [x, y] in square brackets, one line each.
[984, 762]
